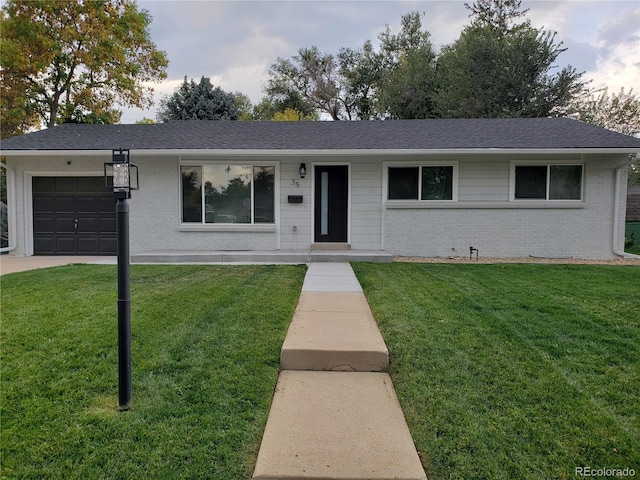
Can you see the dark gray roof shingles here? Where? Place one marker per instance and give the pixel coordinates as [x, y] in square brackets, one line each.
[440, 134]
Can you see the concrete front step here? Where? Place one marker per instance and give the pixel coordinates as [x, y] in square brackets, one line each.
[273, 256]
[336, 425]
[334, 331]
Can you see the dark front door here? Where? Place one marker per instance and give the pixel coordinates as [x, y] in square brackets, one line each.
[73, 216]
[331, 203]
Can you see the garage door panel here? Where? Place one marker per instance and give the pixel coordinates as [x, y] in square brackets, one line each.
[43, 224]
[108, 245]
[108, 225]
[43, 205]
[88, 204]
[65, 205]
[89, 185]
[44, 184]
[88, 245]
[107, 205]
[45, 245]
[66, 245]
[88, 225]
[65, 184]
[65, 225]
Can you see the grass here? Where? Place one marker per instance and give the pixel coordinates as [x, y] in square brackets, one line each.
[635, 249]
[513, 371]
[206, 344]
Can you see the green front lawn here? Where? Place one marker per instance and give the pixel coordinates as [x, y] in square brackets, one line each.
[206, 346]
[503, 371]
[513, 371]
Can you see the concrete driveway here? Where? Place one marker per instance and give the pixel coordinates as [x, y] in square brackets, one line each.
[10, 264]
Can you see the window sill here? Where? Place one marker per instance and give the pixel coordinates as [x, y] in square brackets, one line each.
[228, 227]
[515, 204]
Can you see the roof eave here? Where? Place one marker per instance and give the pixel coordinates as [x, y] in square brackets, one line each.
[325, 152]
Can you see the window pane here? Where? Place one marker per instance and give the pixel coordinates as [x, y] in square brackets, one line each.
[227, 193]
[565, 182]
[531, 182]
[263, 193]
[191, 194]
[403, 183]
[437, 183]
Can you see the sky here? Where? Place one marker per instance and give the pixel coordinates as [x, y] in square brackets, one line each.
[235, 42]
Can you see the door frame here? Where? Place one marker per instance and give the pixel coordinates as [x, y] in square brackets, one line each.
[313, 196]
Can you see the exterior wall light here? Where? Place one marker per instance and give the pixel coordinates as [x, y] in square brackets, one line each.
[302, 170]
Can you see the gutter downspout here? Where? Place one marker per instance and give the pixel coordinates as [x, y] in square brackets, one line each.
[11, 208]
[616, 211]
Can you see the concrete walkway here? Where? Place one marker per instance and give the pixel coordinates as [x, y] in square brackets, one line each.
[335, 414]
[11, 264]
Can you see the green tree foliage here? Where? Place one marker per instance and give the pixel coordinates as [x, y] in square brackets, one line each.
[75, 61]
[362, 70]
[273, 105]
[291, 115]
[619, 112]
[243, 106]
[310, 78]
[397, 81]
[407, 86]
[500, 67]
[146, 121]
[198, 101]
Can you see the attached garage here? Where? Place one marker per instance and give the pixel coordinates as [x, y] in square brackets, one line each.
[73, 216]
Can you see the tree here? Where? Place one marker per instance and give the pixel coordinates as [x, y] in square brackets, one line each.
[618, 112]
[500, 68]
[198, 101]
[242, 105]
[362, 71]
[291, 115]
[75, 61]
[398, 81]
[272, 105]
[407, 89]
[16, 115]
[310, 76]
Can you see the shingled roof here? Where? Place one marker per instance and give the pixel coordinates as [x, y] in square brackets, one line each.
[439, 134]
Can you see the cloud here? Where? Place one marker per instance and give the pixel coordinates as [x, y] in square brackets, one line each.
[622, 30]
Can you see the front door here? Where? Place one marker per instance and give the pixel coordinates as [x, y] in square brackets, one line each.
[331, 183]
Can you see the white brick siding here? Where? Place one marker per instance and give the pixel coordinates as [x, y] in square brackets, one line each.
[484, 216]
[501, 228]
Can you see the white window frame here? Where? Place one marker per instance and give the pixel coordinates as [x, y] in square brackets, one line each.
[548, 164]
[230, 226]
[419, 163]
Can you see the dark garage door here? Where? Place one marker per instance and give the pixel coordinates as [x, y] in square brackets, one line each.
[73, 216]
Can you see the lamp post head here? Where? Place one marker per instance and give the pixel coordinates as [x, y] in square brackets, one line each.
[119, 173]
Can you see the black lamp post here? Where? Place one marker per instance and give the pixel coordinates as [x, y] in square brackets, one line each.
[118, 175]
